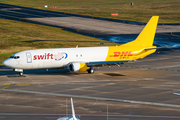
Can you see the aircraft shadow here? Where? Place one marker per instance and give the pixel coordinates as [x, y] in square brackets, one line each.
[10, 72]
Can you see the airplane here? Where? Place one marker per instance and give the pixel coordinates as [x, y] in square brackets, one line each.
[73, 117]
[82, 59]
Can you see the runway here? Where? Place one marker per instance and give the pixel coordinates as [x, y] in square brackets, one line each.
[138, 90]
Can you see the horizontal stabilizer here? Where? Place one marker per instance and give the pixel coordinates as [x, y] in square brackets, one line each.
[160, 47]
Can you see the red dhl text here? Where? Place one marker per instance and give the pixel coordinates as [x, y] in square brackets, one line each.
[121, 54]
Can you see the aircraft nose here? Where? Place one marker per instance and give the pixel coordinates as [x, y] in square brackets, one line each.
[6, 63]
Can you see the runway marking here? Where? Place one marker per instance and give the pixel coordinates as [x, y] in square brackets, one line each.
[176, 93]
[104, 84]
[174, 34]
[118, 118]
[52, 117]
[154, 85]
[23, 84]
[4, 84]
[43, 114]
[168, 66]
[4, 88]
[96, 98]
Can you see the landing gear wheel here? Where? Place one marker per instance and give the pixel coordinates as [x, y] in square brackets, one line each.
[21, 74]
[91, 70]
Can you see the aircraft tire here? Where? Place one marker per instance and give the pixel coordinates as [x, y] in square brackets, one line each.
[21, 74]
[91, 71]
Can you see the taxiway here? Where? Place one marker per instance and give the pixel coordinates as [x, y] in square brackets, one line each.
[138, 90]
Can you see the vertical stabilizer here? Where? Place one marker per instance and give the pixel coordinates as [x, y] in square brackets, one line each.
[146, 37]
[73, 112]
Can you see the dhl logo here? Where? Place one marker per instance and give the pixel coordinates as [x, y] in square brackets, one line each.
[121, 54]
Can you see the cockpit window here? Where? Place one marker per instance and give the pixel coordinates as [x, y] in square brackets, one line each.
[15, 57]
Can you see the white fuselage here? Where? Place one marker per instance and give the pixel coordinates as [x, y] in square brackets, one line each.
[56, 58]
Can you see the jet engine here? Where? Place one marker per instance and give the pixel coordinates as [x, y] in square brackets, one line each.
[78, 67]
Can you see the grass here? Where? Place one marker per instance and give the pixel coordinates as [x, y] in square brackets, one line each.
[141, 11]
[17, 36]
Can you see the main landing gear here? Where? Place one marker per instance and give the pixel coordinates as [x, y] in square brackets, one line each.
[21, 74]
[90, 70]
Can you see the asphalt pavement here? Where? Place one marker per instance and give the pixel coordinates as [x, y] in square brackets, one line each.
[138, 90]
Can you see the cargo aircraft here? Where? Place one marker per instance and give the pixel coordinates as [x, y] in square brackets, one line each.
[82, 59]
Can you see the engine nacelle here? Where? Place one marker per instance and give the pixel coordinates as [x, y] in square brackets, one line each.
[78, 67]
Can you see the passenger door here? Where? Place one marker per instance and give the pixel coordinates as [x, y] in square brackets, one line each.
[29, 57]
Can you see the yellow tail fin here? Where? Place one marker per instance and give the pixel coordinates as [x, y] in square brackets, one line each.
[146, 37]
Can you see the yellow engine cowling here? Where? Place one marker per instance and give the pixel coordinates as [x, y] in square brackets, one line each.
[78, 67]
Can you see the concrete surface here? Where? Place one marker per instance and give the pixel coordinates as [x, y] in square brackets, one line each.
[100, 27]
[40, 94]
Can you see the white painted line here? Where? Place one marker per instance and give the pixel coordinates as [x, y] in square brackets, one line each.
[96, 98]
[51, 117]
[176, 93]
[168, 66]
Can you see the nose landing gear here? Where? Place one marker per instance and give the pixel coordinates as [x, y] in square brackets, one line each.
[20, 71]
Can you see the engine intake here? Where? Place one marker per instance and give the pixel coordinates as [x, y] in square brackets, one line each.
[78, 67]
